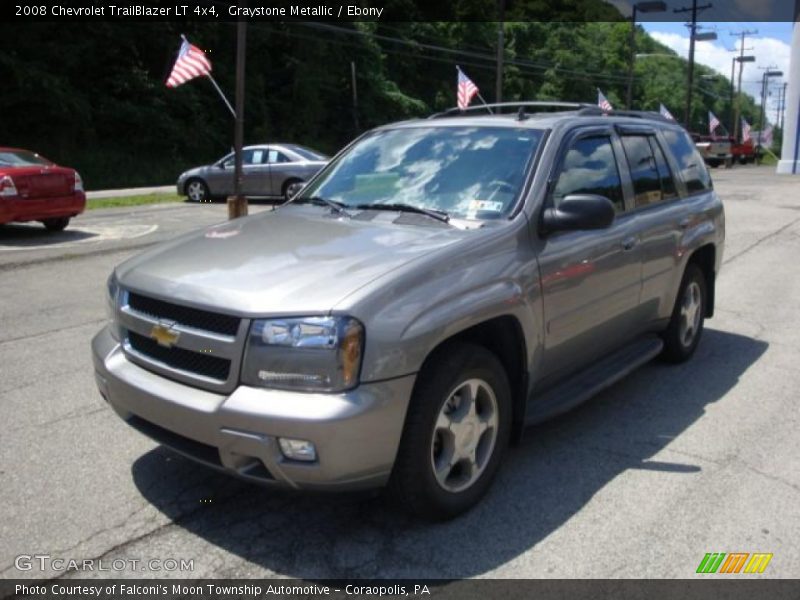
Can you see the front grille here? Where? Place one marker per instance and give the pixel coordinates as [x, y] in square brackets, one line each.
[180, 358]
[191, 317]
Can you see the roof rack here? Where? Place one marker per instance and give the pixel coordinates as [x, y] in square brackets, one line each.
[512, 105]
[582, 109]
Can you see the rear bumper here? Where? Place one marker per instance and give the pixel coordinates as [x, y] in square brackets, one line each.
[356, 433]
[17, 208]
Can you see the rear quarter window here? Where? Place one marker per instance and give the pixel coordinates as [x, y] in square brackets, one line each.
[692, 168]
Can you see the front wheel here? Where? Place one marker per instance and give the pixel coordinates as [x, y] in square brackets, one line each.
[686, 325]
[197, 191]
[456, 433]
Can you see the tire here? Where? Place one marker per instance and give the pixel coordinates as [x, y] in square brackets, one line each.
[455, 378]
[288, 188]
[56, 224]
[196, 190]
[686, 324]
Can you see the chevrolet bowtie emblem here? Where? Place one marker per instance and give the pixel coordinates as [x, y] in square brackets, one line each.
[164, 335]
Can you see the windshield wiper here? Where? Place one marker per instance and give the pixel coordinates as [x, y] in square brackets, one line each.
[439, 215]
[338, 207]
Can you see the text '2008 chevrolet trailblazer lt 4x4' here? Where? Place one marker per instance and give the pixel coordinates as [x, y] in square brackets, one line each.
[439, 285]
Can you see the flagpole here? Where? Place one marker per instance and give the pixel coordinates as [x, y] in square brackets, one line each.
[216, 86]
[478, 94]
[224, 99]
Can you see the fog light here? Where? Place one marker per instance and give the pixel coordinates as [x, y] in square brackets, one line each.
[298, 449]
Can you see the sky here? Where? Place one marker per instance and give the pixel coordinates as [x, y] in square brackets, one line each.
[771, 46]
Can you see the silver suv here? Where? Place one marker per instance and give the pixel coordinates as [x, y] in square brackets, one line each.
[439, 285]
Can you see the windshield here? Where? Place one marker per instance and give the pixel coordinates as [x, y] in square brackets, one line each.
[467, 172]
[21, 158]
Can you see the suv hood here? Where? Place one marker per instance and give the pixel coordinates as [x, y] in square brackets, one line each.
[295, 260]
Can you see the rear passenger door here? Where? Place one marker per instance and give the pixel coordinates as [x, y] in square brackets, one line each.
[657, 213]
[590, 279]
[661, 216]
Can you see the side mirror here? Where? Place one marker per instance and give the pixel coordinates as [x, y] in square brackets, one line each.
[579, 212]
[221, 165]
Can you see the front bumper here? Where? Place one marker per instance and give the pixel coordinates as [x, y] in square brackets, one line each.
[18, 208]
[356, 433]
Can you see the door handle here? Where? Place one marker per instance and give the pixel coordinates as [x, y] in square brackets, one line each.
[629, 243]
[684, 223]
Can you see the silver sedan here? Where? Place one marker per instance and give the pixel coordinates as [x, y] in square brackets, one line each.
[269, 171]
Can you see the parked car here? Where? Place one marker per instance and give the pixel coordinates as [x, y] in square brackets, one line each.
[33, 188]
[438, 286]
[268, 171]
[715, 151]
[744, 153]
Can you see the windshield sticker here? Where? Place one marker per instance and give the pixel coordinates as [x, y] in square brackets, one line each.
[476, 206]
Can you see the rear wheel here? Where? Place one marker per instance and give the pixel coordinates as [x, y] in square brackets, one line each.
[456, 433]
[686, 325]
[56, 224]
[197, 190]
[291, 187]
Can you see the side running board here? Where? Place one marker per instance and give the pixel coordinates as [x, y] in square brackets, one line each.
[583, 385]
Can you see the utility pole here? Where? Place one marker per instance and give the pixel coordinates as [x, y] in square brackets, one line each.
[737, 108]
[237, 204]
[498, 86]
[783, 106]
[692, 33]
[355, 96]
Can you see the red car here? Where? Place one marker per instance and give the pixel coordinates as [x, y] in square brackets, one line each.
[34, 189]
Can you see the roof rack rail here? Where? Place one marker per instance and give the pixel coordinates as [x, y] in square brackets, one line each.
[513, 105]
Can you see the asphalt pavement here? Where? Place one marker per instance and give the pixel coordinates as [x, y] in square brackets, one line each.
[642, 481]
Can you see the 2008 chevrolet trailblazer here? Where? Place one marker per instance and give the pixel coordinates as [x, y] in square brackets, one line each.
[440, 284]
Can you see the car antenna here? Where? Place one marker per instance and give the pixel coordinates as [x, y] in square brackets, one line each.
[521, 115]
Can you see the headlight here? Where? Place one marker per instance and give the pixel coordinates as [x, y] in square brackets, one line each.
[314, 354]
[112, 291]
[78, 187]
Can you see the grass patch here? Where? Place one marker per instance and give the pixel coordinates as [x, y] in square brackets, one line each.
[132, 200]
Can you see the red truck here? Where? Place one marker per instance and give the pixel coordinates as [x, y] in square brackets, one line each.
[745, 152]
[33, 188]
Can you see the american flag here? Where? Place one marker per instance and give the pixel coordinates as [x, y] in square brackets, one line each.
[466, 89]
[713, 122]
[603, 102]
[191, 63]
[745, 130]
[665, 113]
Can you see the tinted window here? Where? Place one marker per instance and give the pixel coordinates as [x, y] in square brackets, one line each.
[692, 168]
[642, 165]
[652, 179]
[668, 189]
[590, 168]
[469, 172]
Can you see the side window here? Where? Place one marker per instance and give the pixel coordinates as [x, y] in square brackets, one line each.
[644, 173]
[278, 157]
[590, 168]
[668, 189]
[693, 169]
[257, 157]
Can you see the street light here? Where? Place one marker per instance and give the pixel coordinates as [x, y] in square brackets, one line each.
[639, 7]
[707, 36]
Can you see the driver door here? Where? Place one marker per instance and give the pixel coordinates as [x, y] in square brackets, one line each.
[590, 279]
